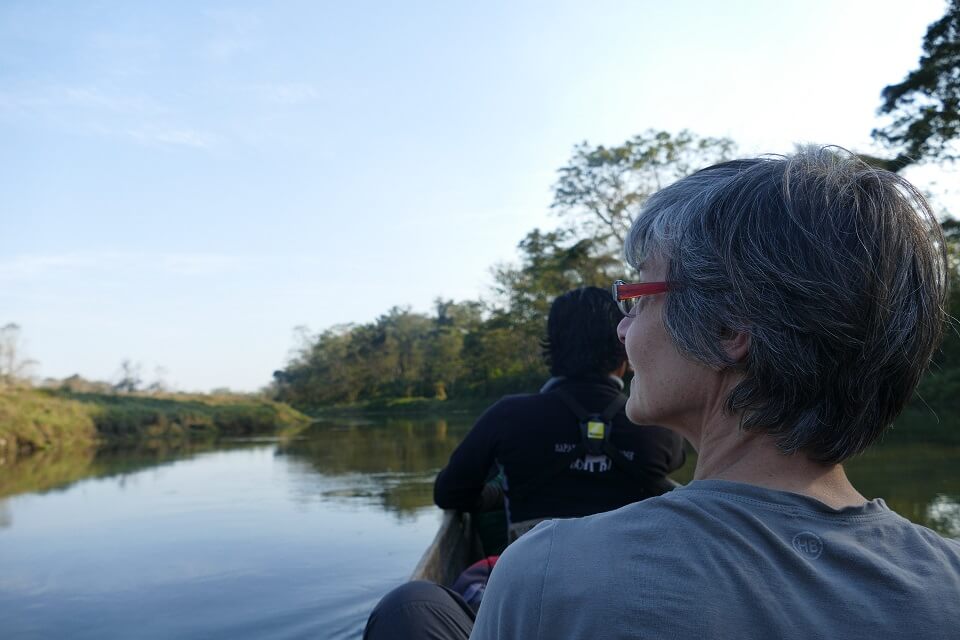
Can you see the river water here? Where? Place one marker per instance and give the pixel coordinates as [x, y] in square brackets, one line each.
[268, 539]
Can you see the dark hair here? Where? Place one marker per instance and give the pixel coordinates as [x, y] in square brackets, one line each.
[835, 269]
[582, 334]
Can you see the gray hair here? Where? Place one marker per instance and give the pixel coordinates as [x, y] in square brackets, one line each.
[837, 272]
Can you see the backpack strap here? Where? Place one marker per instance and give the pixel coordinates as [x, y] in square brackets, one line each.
[614, 408]
[601, 432]
[595, 439]
[595, 429]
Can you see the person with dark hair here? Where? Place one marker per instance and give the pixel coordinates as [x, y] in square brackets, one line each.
[565, 452]
[539, 443]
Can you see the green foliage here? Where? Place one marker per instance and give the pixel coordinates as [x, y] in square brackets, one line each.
[551, 263]
[925, 106]
[33, 419]
[602, 188]
[940, 388]
[400, 355]
[136, 416]
[950, 352]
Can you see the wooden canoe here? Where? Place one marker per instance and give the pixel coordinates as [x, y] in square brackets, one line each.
[453, 549]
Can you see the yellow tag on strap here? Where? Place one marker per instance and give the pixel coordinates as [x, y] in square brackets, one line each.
[595, 430]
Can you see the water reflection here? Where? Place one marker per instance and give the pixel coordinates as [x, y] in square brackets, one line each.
[391, 446]
[944, 514]
[210, 546]
[194, 546]
[57, 469]
[45, 470]
[913, 479]
[390, 463]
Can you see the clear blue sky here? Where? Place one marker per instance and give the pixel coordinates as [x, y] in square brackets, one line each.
[183, 183]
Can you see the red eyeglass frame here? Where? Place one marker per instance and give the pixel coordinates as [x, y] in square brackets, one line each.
[628, 290]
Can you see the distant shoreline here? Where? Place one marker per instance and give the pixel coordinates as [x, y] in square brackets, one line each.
[37, 419]
[404, 406]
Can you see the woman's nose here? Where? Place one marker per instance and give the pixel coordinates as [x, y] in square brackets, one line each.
[622, 328]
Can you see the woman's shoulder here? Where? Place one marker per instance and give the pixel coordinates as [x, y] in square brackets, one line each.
[650, 523]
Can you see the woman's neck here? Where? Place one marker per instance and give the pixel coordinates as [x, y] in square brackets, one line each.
[725, 452]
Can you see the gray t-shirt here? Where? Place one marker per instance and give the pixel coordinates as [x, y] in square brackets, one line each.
[720, 559]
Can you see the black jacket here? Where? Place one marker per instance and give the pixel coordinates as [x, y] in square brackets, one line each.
[526, 436]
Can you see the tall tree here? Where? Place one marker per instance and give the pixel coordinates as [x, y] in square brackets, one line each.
[445, 366]
[14, 366]
[602, 188]
[551, 263]
[321, 370]
[925, 107]
[130, 378]
[404, 335]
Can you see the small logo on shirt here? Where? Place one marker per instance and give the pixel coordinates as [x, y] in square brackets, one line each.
[592, 464]
[808, 544]
[595, 430]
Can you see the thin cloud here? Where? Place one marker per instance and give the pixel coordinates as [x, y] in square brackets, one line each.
[58, 98]
[97, 99]
[89, 110]
[33, 267]
[289, 94]
[29, 267]
[172, 136]
[224, 49]
[10, 101]
[201, 264]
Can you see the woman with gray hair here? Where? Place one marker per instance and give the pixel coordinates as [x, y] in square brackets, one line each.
[787, 309]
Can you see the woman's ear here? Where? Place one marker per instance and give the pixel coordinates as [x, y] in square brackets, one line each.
[736, 344]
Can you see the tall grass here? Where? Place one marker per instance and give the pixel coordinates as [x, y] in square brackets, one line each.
[32, 419]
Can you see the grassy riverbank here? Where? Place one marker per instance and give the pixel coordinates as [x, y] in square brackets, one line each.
[35, 419]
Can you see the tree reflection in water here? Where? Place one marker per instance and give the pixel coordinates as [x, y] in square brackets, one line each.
[944, 515]
[391, 462]
[58, 468]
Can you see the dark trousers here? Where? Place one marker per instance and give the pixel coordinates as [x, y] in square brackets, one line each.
[420, 611]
